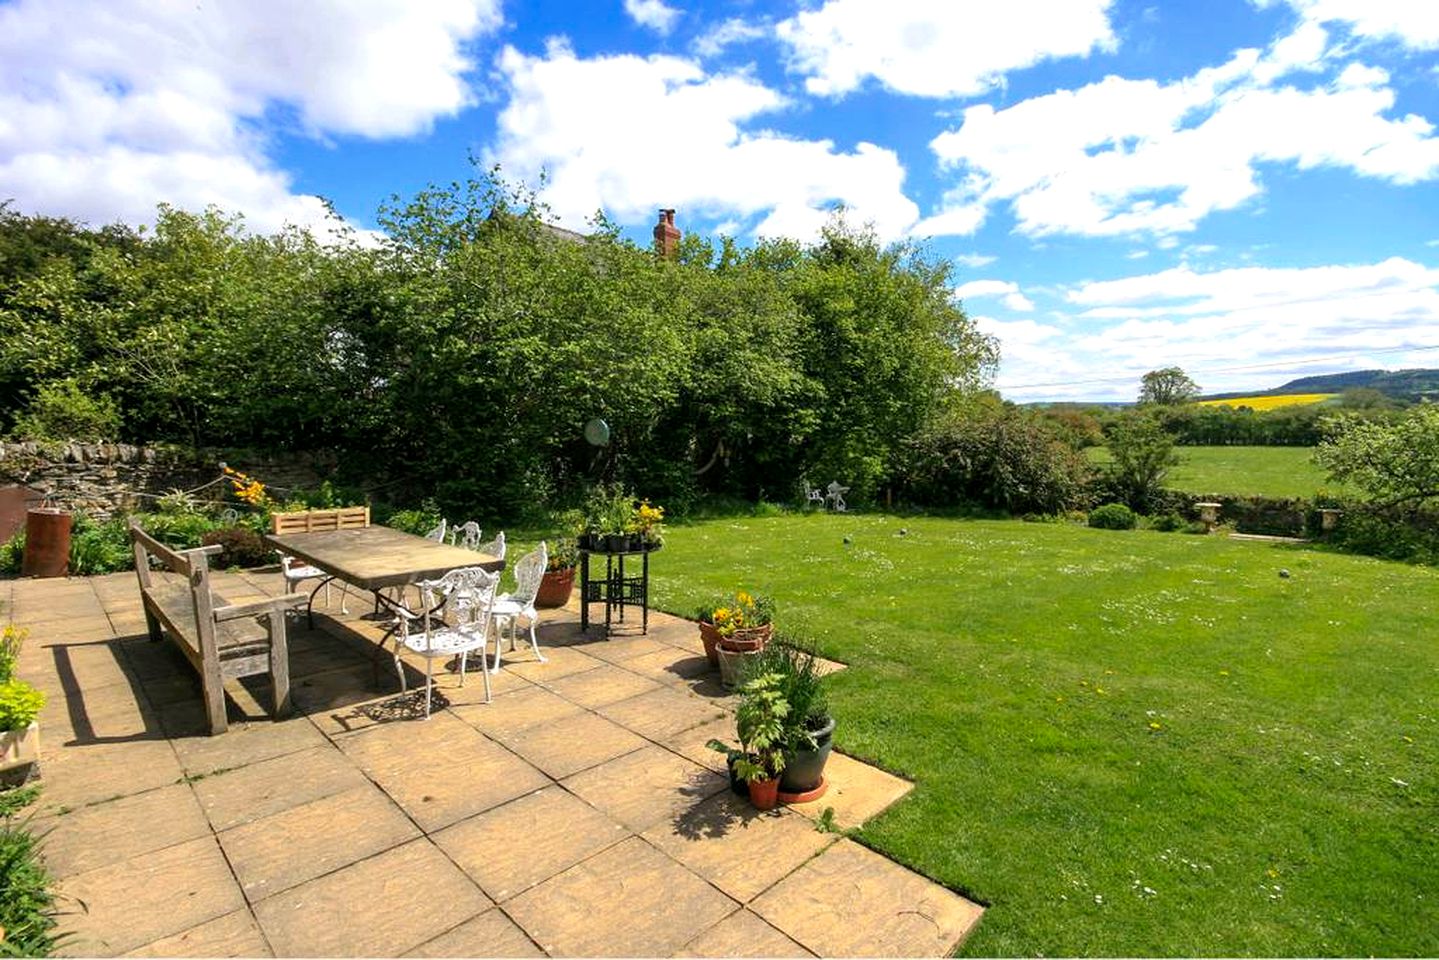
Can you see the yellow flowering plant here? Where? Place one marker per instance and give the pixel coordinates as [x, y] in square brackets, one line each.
[246, 488]
[741, 611]
[647, 520]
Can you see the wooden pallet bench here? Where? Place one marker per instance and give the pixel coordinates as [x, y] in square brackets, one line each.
[221, 640]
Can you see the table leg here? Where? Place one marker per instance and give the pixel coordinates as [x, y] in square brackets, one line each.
[584, 590]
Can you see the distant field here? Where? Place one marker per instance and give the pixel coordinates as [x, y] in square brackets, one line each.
[1271, 403]
[1244, 471]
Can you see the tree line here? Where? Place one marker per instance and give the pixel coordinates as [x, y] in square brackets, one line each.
[459, 357]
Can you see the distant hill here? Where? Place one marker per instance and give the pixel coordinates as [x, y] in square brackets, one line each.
[1409, 385]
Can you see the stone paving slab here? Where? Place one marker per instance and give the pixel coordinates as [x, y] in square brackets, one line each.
[233, 935]
[358, 828]
[270, 786]
[629, 901]
[385, 906]
[149, 897]
[717, 839]
[743, 934]
[109, 833]
[491, 934]
[285, 849]
[852, 902]
[511, 848]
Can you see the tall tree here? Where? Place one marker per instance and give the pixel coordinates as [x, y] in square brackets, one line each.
[1167, 387]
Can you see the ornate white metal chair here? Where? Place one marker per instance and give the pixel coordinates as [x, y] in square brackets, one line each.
[465, 535]
[468, 598]
[438, 534]
[834, 493]
[495, 547]
[295, 572]
[510, 607]
[812, 494]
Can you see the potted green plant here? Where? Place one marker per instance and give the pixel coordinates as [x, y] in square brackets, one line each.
[20, 705]
[559, 577]
[760, 721]
[647, 525]
[809, 724]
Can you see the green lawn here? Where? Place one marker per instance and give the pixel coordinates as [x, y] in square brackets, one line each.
[1253, 471]
[1125, 743]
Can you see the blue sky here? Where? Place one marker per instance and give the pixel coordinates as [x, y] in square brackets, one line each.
[1246, 189]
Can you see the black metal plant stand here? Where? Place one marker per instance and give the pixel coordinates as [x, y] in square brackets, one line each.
[615, 590]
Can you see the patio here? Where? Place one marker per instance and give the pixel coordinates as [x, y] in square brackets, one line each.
[579, 813]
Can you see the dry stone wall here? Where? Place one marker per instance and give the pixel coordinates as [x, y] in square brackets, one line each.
[103, 479]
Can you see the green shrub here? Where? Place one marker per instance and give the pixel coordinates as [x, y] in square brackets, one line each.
[996, 457]
[1167, 523]
[419, 522]
[12, 554]
[97, 548]
[1376, 535]
[242, 547]
[20, 704]
[62, 411]
[12, 638]
[1113, 516]
[27, 905]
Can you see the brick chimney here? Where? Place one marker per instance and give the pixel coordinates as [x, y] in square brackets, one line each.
[667, 235]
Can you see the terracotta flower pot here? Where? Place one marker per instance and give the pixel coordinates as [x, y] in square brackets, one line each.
[749, 638]
[555, 588]
[764, 794]
[710, 637]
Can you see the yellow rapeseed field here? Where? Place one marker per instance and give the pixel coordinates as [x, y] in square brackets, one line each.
[1270, 403]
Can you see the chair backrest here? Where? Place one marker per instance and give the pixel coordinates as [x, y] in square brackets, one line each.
[466, 535]
[437, 534]
[310, 521]
[529, 570]
[495, 547]
[468, 593]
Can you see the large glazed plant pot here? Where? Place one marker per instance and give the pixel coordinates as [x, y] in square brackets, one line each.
[555, 588]
[19, 753]
[804, 769]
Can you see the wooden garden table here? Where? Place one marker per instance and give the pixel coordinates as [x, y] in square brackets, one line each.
[377, 559]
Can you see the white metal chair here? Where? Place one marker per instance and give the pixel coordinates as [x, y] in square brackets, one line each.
[812, 494]
[296, 572]
[468, 595]
[835, 494]
[437, 534]
[465, 535]
[510, 607]
[495, 547]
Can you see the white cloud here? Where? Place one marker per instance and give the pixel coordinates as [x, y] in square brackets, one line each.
[1413, 23]
[629, 134]
[1269, 322]
[1006, 291]
[937, 48]
[723, 35]
[974, 260]
[1123, 157]
[653, 14]
[108, 108]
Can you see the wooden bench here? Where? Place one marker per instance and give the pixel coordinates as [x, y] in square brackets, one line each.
[221, 640]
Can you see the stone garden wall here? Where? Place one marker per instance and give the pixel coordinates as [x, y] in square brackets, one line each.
[102, 479]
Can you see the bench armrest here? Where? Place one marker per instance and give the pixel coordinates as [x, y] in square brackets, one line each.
[235, 611]
[208, 551]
